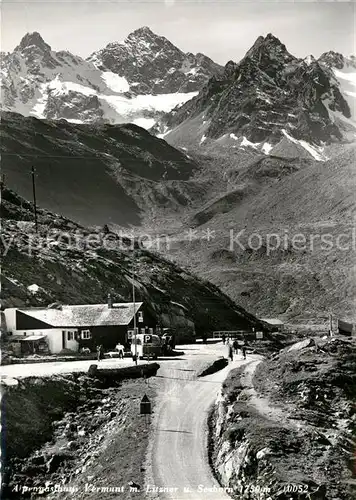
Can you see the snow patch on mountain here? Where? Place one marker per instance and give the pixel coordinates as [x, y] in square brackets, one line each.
[116, 108]
[246, 142]
[131, 109]
[266, 148]
[115, 82]
[315, 151]
[347, 81]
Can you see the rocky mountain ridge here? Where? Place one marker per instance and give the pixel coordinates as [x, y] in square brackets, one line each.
[153, 65]
[268, 96]
[115, 85]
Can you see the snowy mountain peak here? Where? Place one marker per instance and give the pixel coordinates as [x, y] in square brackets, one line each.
[268, 45]
[337, 61]
[153, 65]
[144, 31]
[267, 92]
[133, 81]
[33, 39]
[332, 59]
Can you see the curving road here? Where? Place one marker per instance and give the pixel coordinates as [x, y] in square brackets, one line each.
[178, 453]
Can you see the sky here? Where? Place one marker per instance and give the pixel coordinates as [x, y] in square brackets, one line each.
[223, 30]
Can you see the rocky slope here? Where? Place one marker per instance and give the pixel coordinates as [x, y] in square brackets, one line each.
[134, 81]
[287, 432]
[268, 96]
[96, 174]
[153, 65]
[116, 177]
[74, 265]
[279, 238]
[63, 432]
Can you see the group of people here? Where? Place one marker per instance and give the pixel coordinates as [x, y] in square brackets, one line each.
[233, 348]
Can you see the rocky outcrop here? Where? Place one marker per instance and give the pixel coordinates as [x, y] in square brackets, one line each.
[288, 432]
[153, 65]
[267, 92]
[62, 430]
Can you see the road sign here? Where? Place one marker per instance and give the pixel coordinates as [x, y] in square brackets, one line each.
[259, 335]
[145, 406]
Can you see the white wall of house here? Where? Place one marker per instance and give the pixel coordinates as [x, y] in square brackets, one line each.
[53, 335]
[55, 343]
[10, 319]
[54, 338]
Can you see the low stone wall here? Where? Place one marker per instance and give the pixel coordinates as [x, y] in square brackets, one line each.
[27, 361]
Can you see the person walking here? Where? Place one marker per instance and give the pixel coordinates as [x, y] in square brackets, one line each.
[223, 337]
[230, 351]
[235, 346]
[99, 351]
[243, 349]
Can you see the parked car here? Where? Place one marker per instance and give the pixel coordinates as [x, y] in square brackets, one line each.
[147, 346]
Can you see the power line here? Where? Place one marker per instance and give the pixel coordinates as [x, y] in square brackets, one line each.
[34, 197]
[87, 157]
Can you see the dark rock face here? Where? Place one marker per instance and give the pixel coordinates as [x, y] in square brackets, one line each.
[153, 65]
[267, 91]
[332, 59]
[72, 105]
[34, 40]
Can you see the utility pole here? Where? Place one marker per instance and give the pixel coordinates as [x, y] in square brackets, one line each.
[134, 304]
[331, 324]
[34, 197]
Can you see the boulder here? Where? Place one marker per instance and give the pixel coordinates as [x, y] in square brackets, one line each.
[92, 371]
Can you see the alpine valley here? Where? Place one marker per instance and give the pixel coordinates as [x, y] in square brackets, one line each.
[232, 155]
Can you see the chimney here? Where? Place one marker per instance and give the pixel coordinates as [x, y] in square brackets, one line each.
[109, 301]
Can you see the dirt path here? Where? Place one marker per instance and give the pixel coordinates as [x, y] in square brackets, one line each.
[178, 458]
[264, 406]
[261, 403]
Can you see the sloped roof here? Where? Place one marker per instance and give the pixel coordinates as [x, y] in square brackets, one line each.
[345, 326]
[86, 315]
[272, 321]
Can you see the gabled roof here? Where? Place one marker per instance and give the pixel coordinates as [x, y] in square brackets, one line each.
[272, 321]
[85, 315]
[344, 326]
